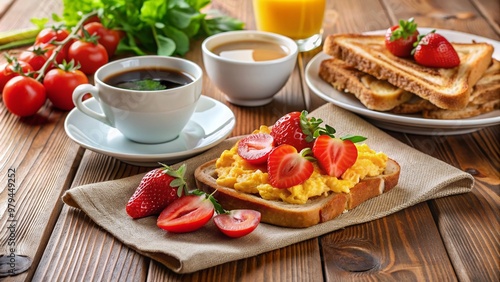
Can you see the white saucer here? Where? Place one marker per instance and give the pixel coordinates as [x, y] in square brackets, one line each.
[211, 123]
[414, 124]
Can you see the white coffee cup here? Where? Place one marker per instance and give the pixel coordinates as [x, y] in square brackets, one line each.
[145, 116]
[248, 83]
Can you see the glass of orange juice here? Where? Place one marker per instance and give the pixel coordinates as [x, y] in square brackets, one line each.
[300, 20]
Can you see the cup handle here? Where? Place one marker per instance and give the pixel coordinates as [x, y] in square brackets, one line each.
[78, 94]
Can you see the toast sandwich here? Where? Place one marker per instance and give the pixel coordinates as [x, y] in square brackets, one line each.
[375, 94]
[380, 95]
[445, 88]
[317, 210]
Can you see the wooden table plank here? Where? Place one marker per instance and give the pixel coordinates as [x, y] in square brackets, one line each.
[45, 161]
[489, 10]
[401, 246]
[78, 249]
[469, 223]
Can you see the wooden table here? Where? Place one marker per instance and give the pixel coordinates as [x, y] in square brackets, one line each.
[452, 238]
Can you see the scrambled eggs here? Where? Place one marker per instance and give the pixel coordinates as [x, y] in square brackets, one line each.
[236, 173]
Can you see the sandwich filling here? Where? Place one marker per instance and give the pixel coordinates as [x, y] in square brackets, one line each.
[235, 172]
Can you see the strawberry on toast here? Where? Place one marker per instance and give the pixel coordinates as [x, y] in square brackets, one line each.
[298, 187]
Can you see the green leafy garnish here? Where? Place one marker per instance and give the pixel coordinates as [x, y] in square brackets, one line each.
[218, 208]
[142, 85]
[311, 128]
[405, 29]
[153, 26]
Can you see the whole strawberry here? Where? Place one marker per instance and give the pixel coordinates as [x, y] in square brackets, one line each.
[295, 129]
[157, 189]
[399, 39]
[433, 50]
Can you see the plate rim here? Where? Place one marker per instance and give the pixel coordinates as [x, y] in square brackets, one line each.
[398, 119]
[151, 157]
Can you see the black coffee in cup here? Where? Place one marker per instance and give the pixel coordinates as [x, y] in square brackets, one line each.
[148, 79]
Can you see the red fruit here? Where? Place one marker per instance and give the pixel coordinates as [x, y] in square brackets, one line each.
[158, 188]
[24, 96]
[186, 214]
[287, 167]
[295, 129]
[108, 38]
[11, 69]
[255, 148]
[433, 50]
[50, 34]
[334, 155]
[399, 39]
[60, 84]
[36, 56]
[237, 223]
[89, 55]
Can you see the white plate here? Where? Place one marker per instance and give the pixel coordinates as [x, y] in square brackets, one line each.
[397, 122]
[211, 123]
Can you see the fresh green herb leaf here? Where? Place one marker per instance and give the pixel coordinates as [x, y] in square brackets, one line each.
[144, 85]
[354, 138]
[153, 26]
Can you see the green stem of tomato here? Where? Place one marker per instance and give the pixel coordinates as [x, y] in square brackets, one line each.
[61, 44]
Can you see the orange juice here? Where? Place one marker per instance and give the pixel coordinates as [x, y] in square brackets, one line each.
[297, 19]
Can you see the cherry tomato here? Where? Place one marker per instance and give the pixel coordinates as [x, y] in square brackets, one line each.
[51, 48]
[49, 34]
[60, 84]
[237, 223]
[109, 38]
[255, 148]
[93, 19]
[90, 56]
[186, 214]
[12, 69]
[24, 96]
[36, 56]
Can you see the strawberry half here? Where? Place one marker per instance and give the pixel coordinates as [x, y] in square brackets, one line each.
[287, 167]
[255, 148]
[157, 189]
[433, 50]
[334, 155]
[399, 39]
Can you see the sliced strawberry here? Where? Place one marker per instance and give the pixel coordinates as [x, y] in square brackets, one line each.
[255, 148]
[287, 167]
[157, 189]
[399, 39]
[334, 155]
[433, 50]
[186, 214]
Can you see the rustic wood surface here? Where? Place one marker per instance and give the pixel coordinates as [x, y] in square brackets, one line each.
[448, 239]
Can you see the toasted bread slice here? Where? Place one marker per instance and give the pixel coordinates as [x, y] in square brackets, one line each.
[414, 106]
[483, 99]
[488, 87]
[445, 88]
[375, 94]
[316, 210]
[470, 110]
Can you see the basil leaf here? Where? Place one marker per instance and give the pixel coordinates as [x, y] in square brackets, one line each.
[166, 46]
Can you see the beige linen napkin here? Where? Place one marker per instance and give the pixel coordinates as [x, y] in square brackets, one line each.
[422, 178]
